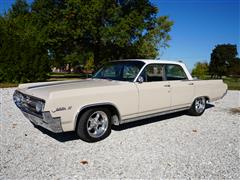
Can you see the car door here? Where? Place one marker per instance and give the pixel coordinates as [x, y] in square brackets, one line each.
[182, 90]
[154, 92]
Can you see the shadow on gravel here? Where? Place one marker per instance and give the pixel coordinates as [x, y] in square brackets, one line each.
[71, 136]
[61, 137]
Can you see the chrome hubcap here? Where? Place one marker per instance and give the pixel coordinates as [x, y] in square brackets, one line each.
[97, 124]
[200, 104]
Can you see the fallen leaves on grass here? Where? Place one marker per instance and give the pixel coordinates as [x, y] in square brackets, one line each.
[84, 162]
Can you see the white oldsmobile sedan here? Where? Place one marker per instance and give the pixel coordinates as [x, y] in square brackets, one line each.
[120, 92]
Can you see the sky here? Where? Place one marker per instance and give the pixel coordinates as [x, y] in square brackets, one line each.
[199, 25]
[6, 4]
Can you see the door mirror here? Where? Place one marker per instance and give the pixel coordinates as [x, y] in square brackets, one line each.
[140, 79]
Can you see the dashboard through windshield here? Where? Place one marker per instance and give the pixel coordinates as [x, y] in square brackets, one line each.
[120, 70]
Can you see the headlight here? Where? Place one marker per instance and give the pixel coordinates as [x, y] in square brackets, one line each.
[18, 97]
[39, 106]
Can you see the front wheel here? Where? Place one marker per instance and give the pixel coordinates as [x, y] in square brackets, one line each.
[94, 125]
[198, 107]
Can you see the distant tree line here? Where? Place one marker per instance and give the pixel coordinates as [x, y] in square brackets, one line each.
[224, 62]
[49, 33]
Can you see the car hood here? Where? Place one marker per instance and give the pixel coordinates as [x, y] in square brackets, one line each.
[44, 89]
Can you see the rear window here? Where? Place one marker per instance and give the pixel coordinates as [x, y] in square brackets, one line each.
[174, 72]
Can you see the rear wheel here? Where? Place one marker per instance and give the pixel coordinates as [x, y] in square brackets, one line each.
[198, 107]
[94, 125]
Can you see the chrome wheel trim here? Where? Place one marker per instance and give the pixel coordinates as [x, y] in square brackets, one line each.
[200, 104]
[97, 124]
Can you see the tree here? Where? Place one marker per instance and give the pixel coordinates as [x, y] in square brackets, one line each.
[234, 69]
[107, 29]
[60, 32]
[89, 65]
[23, 57]
[20, 7]
[223, 58]
[200, 70]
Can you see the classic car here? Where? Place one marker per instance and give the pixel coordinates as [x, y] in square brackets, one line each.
[120, 92]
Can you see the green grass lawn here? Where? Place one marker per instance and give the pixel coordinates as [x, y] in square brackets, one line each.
[233, 83]
[8, 85]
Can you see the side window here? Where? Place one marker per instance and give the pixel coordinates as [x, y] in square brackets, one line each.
[174, 72]
[130, 72]
[112, 71]
[153, 72]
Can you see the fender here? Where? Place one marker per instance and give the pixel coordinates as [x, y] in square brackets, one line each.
[116, 120]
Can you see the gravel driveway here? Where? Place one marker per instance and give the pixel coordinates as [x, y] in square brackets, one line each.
[170, 146]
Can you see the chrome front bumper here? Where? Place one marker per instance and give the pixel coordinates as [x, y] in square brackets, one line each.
[27, 104]
[47, 121]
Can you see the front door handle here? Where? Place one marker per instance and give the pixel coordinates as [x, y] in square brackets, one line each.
[190, 83]
[167, 85]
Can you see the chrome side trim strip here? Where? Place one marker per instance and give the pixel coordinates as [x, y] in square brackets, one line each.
[160, 110]
[152, 115]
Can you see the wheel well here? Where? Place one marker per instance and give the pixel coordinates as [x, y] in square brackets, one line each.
[207, 98]
[113, 110]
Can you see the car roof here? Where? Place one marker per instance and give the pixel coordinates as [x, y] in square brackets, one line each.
[150, 61]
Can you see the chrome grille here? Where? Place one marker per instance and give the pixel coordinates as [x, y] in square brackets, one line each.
[27, 103]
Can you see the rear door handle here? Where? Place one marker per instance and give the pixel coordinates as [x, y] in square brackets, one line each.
[167, 85]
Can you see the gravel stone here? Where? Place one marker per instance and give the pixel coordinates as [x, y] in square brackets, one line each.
[170, 146]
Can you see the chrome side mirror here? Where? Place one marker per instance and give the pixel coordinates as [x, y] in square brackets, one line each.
[140, 79]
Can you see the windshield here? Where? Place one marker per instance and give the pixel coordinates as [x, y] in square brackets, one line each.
[120, 70]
